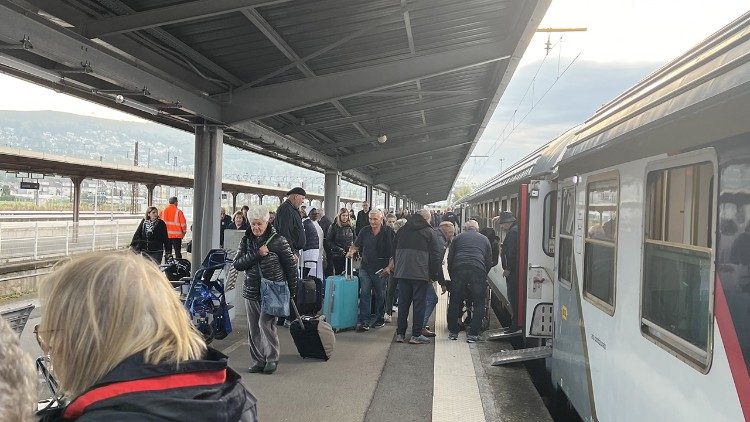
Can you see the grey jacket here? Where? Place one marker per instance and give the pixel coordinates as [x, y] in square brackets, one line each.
[418, 251]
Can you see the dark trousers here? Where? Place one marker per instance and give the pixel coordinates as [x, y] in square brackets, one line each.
[411, 291]
[338, 263]
[475, 281]
[512, 283]
[390, 295]
[175, 244]
[155, 256]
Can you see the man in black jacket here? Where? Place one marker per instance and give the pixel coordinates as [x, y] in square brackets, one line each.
[375, 245]
[469, 261]
[363, 218]
[288, 222]
[509, 259]
[418, 260]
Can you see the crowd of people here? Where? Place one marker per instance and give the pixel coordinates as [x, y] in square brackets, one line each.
[142, 358]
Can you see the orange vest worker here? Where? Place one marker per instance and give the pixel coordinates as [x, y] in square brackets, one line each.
[175, 219]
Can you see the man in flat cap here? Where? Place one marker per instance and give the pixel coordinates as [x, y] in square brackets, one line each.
[288, 223]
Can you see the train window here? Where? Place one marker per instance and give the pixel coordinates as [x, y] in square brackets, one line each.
[600, 242]
[675, 298]
[550, 220]
[514, 205]
[565, 254]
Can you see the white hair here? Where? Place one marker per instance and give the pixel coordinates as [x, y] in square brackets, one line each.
[425, 213]
[399, 223]
[373, 213]
[258, 212]
[471, 225]
[18, 381]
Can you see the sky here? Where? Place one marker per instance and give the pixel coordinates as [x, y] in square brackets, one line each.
[624, 42]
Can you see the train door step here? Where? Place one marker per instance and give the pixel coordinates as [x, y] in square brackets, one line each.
[520, 355]
[496, 335]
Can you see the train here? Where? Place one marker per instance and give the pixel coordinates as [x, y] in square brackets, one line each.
[634, 234]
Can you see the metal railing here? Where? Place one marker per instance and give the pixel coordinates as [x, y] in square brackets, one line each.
[39, 240]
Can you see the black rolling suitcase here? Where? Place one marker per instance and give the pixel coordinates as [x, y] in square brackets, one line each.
[309, 293]
[313, 336]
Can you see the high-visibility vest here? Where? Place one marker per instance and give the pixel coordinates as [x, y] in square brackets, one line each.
[176, 223]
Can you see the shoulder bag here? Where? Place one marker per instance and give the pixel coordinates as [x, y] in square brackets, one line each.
[274, 295]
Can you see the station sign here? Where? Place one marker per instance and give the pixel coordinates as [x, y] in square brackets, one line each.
[29, 185]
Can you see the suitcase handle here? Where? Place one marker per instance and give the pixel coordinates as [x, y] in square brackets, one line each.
[299, 317]
[348, 271]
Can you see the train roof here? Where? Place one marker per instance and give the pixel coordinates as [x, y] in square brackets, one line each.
[712, 78]
[539, 163]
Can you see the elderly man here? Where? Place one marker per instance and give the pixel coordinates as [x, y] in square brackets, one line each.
[509, 259]
[375, 245]
[469, 261]
[362, 218]
[288, 222]
[418, 259]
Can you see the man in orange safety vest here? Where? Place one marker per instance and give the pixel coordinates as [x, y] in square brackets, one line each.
[176, 226]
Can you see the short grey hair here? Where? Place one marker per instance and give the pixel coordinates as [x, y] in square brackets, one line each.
[392, 215]
[258, 212]
[375, 212]
[471, 225]
[399, 223]
[425, 214]
[18, 381]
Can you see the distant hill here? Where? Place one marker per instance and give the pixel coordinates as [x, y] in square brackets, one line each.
[114, 141]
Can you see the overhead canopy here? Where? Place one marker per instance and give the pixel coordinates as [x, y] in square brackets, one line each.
[314, 83]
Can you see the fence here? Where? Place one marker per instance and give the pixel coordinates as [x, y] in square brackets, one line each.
[38, 240]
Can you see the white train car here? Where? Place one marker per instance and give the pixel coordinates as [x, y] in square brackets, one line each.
[646, 277]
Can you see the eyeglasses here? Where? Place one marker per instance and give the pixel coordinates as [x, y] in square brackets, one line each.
[40, 340]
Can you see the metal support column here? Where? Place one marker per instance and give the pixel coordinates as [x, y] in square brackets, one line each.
[387, 202]
[209, 141]
[368, 195]
[76, 198]
[234, 201]
[260, 199]
[150, 195]
[332, 193]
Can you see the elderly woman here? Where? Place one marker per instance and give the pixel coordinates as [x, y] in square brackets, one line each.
[339, 238]
[239, 222]
[122, 346]
[263, 253]
[150, 238]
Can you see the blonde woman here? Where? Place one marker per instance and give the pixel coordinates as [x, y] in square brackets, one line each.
[339, 238]
[122, 347]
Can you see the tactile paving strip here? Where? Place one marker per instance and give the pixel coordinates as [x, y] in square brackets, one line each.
[456, 391]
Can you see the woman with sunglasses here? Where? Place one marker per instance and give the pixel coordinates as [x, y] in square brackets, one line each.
[122, 347]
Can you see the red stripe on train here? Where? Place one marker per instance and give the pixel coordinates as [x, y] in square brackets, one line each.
[734, 351]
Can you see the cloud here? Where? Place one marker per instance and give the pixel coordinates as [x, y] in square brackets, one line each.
[525, 119]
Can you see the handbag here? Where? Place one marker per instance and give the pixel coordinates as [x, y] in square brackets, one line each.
[274, 295]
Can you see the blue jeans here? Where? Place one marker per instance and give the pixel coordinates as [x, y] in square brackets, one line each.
[408, 291]
[431, 300]
[369, 284]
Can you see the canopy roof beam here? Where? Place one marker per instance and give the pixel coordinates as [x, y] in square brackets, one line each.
[393, 136]
[269, 100]
[397, 152]
[168, 15]
[422, 170]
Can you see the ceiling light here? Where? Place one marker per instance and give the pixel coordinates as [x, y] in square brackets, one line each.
[119, 99]
[382, 139]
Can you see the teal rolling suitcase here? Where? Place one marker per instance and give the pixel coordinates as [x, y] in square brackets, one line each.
[341, 301]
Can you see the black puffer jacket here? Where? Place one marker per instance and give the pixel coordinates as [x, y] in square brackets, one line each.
[214, 393]
[339, 238]
[278, 265]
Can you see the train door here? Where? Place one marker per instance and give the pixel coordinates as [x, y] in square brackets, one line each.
[540, 261]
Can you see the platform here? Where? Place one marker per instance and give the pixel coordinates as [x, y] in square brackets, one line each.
[371, 378]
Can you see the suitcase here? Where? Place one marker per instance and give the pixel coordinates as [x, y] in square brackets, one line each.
[310, 294]
[340, 304]
[313, 336]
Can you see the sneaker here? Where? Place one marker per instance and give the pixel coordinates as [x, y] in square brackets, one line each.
[399, 338]
[473, 339]
[366, 327]
[427, 333]
[378, 324]
[419, 340]
[453, 336]
[394, 308]
[257, 368]
[270, 367]
[360, 328]
[387, 318]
